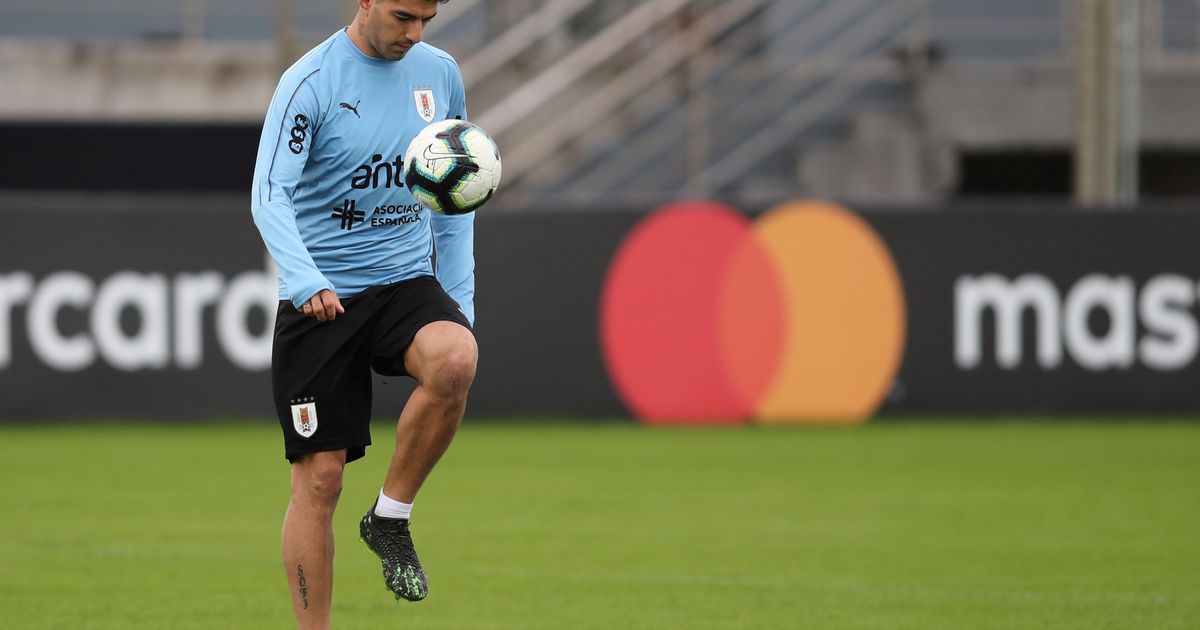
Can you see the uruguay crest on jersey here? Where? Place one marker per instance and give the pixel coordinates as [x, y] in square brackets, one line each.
[426, 108]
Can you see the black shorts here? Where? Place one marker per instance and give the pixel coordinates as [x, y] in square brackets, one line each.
[321, 372]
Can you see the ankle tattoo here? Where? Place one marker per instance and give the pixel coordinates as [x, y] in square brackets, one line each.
[303, 584]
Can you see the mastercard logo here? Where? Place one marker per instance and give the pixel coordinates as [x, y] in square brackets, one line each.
[707, 317]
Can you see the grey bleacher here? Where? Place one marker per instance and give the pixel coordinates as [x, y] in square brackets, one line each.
[745, 113]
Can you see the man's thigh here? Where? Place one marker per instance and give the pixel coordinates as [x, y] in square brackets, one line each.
[412, 306]
[441, 346]
[321, 382]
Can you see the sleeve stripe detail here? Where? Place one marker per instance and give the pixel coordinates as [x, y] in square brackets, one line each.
[279, 137]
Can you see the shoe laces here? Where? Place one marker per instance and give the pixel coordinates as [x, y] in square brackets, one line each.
[396, 539]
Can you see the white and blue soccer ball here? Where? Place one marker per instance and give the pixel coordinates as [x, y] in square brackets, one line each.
[452, 167]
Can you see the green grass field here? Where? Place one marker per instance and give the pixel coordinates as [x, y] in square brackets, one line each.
[557, 525]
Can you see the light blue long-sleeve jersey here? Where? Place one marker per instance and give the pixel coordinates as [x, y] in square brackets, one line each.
[329, 197]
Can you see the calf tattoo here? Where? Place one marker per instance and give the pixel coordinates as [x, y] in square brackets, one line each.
[303, 585]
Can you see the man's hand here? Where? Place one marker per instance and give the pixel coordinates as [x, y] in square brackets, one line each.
[325, 306]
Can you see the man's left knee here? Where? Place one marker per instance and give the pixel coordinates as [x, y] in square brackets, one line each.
[455, 368]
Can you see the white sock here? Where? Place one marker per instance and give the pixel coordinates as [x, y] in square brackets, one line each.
[391, 508]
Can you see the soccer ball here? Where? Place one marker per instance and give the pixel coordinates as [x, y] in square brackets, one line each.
[452, 167]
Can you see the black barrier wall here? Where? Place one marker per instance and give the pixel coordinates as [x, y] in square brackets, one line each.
[160, 307]
[1047, 311]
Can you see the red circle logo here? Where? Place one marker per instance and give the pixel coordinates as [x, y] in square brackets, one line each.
[706, 317]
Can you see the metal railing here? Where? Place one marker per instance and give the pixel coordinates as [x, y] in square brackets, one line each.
[791, 94]
[856, 59]
[977, 29]
[736, 125]
[575, 104]
[528, 152]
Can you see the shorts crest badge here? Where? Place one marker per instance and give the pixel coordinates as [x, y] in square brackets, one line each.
[426, 108]
[304, 418]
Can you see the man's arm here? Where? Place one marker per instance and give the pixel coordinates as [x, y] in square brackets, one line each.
[454, 238]
[282, 153]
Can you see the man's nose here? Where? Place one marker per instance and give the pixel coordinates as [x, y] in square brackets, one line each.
[416, 31]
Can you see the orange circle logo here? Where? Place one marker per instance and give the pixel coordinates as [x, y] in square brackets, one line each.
[797, 317]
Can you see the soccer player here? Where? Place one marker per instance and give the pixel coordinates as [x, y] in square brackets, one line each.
[368, 279]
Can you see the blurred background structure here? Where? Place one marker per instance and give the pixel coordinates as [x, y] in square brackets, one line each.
[968, 145]
[624, 103]
[970, 224]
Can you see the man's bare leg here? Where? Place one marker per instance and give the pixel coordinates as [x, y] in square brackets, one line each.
[308, 535]
[442, 358]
